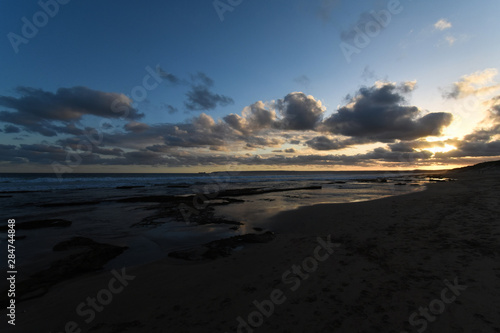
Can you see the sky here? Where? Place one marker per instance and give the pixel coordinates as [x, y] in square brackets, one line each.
[201, 86]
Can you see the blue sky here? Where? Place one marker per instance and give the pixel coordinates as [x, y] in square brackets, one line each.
[285, 54]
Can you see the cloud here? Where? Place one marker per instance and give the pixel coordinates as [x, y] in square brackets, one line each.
[255, 117]
[255, 142]
[203, 79]
[38, 111]
[299, 112]
[302, 80]
[474, 84]
[326, 143]
[106, 126]
[170, 109]
[450, 40]
[171, 78]
[494, 111]
[367, 23]
[484, 140]
[11, 129]
[379, 113]
[326, 7]
[472, 149]
[136, 127]
[442, 24]
[490, 126]
[411, 146]
[36, 154]
[368, 74]
[296, 111]
[200, 98]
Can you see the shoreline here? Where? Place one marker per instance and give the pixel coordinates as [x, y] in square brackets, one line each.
[150, 220]
[393, 256]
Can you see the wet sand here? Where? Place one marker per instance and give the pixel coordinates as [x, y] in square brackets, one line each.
[377, 265]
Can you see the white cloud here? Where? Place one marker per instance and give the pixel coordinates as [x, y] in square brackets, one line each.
[442, 24]
[451, 40]
[477, 83]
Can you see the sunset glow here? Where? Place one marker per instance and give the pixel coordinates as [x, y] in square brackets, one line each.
[192, 86]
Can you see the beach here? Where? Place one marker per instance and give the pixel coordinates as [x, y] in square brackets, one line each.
[235, 166]
[422, 261]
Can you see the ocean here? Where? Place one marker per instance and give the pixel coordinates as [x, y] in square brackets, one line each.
[13, 182]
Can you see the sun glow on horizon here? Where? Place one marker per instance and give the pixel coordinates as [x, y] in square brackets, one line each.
[444, 149]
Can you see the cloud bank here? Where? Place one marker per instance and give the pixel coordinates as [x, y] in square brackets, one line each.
[294, 130]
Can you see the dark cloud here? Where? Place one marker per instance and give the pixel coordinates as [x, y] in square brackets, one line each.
[171, 78]
[38, 111]
[491, 124]
[170, 109]
[375, 114]
[302, 80]
[325, 143]
[201, 131]
[186, 159]
[385, 155]
[136, 127]
[494, 111]
[368, 74]
[203, 79]
[262, 142]
[411, 146]
[472, 149]
[107, 151]
[34, 153]
[379, 113]
[67, 104]
[84, 146]
[483, 141]
[200, 98]
[299, 112]
[11, 129]
[326, 7]
[254, 118]
[368, 23]
[106, 126]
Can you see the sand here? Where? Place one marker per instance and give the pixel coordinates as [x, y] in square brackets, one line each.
[360, 267]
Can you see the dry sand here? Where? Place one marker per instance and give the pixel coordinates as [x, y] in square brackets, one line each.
[391, 257]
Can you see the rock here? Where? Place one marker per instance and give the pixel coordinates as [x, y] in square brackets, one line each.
[74, 242]
[93, 258]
